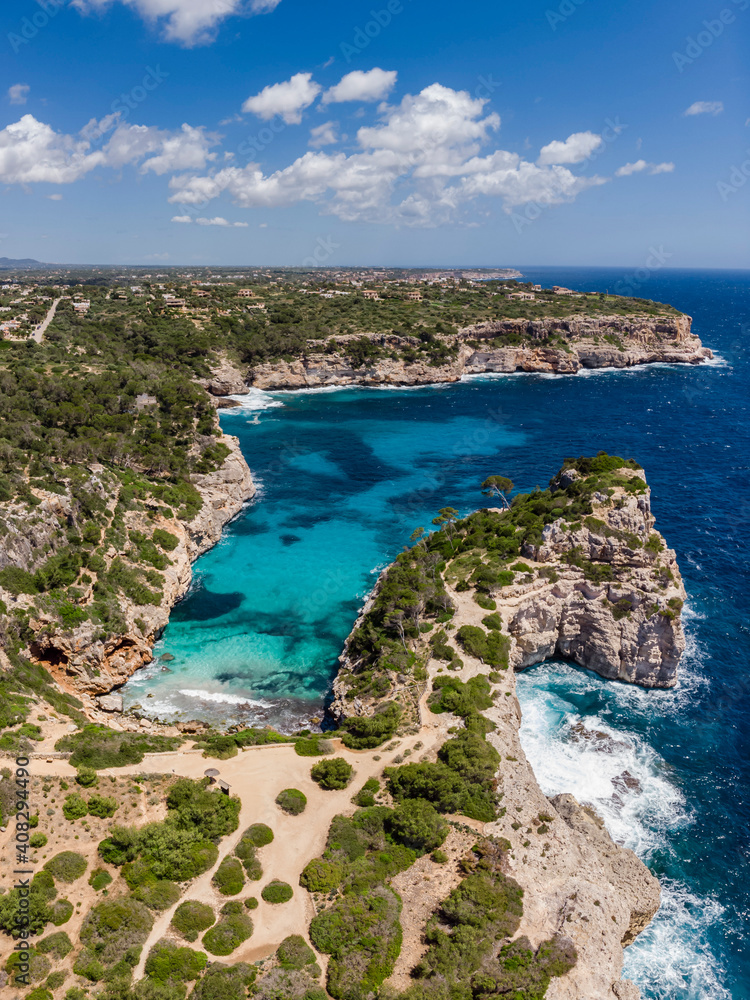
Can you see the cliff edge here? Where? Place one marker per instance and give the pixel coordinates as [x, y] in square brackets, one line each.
[576, 571]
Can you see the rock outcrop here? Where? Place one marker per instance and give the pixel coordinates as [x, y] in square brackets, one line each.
[576, 880]
[82, 660]
[563, 346]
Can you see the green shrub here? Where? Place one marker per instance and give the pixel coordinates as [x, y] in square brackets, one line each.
[99, 879]
[259, 834]
[417, 824]
[87, 777]
[75, 807]
[295, 953]
[366, 732]
[229, 878]
[251, 903]
[60, 912]
[158, 895]
[166, 540]
[228, 934]
[37, 840]
[246, 852]
[292, 801]
[277, 892]
[463, 699]
[332, 774]
[112, 930]
[66, 866]
[102, 806]
[99, 747]
[56, 979]
[317, 746]
[366, 795]
[439, 857]
[222, 982]
[167, 961]
[322, 875]
[493, 622]
[58, 945]
[191, 918]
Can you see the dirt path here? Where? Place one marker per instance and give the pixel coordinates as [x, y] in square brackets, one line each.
[38, 334]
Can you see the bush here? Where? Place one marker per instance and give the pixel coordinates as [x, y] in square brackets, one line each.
[60, 912]
[168, 961]
[99, 879]
[246, 852]
[229, 878]
[97, 747]
[317, 746]
[102, 806]
[58, 945]
[251, 903]
[259, 834]
[166, 540]
[228, 934]
[322, 875]
[37, 840]
[87, 777]
[332, 774]
[366, 795]
[295, 953]
[113, 930]
[277, 892]
[222, 982]
[292, 801]
[191, 918]
[158, 895]
[56, 979]
[66, 866]
[75, 807]
[366, 732]
[418, 825]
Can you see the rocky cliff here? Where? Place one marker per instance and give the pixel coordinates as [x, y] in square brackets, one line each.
[89, 660]
[596, 585]
[562, 346]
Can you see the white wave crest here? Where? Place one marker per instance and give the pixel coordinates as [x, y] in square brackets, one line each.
[218, 697]
[254, 400]
[672, 959]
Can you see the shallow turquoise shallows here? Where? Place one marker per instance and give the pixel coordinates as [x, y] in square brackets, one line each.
[344, 478]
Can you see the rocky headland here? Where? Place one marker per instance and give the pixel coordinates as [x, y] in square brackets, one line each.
[595, 584]
[562, 346]
[87, 659]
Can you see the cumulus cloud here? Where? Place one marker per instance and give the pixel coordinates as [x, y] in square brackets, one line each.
[575, 149]
[288, 99]
[219, 221]
[652, 168]
[704, 108]
[32, 152]
[186, 219]
[419, 166]
[361, 85]
[18, 93]
[324, 135]
[189, 22]
[55, 197]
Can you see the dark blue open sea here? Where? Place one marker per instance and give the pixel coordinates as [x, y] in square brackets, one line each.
[346, 475]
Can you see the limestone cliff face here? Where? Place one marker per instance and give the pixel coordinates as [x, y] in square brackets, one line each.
[81, 660]
[580, 342]
[576, 880]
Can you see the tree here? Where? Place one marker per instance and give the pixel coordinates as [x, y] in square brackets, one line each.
[498, 486]
[447, 516]
[417, 536]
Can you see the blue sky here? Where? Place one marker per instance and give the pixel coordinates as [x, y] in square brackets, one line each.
[399, 132]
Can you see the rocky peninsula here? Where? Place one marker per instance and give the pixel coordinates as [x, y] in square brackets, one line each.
[577, 572]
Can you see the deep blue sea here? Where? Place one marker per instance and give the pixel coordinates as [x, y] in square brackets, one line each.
[345, 476]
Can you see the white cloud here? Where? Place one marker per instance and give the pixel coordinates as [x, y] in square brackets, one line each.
[360, 85]
[219, 221]
[420, 166]
[32, 152]
[324, 135]
[705, 108]
[189, 22]
[288, 99]
[55, 197]
[182, 218]
[575, 149]
[18, 93]
[652, 168]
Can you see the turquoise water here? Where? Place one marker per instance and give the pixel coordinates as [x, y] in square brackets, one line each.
[345, 476]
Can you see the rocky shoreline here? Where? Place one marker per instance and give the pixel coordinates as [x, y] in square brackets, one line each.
[546, 346]
[576, 880]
